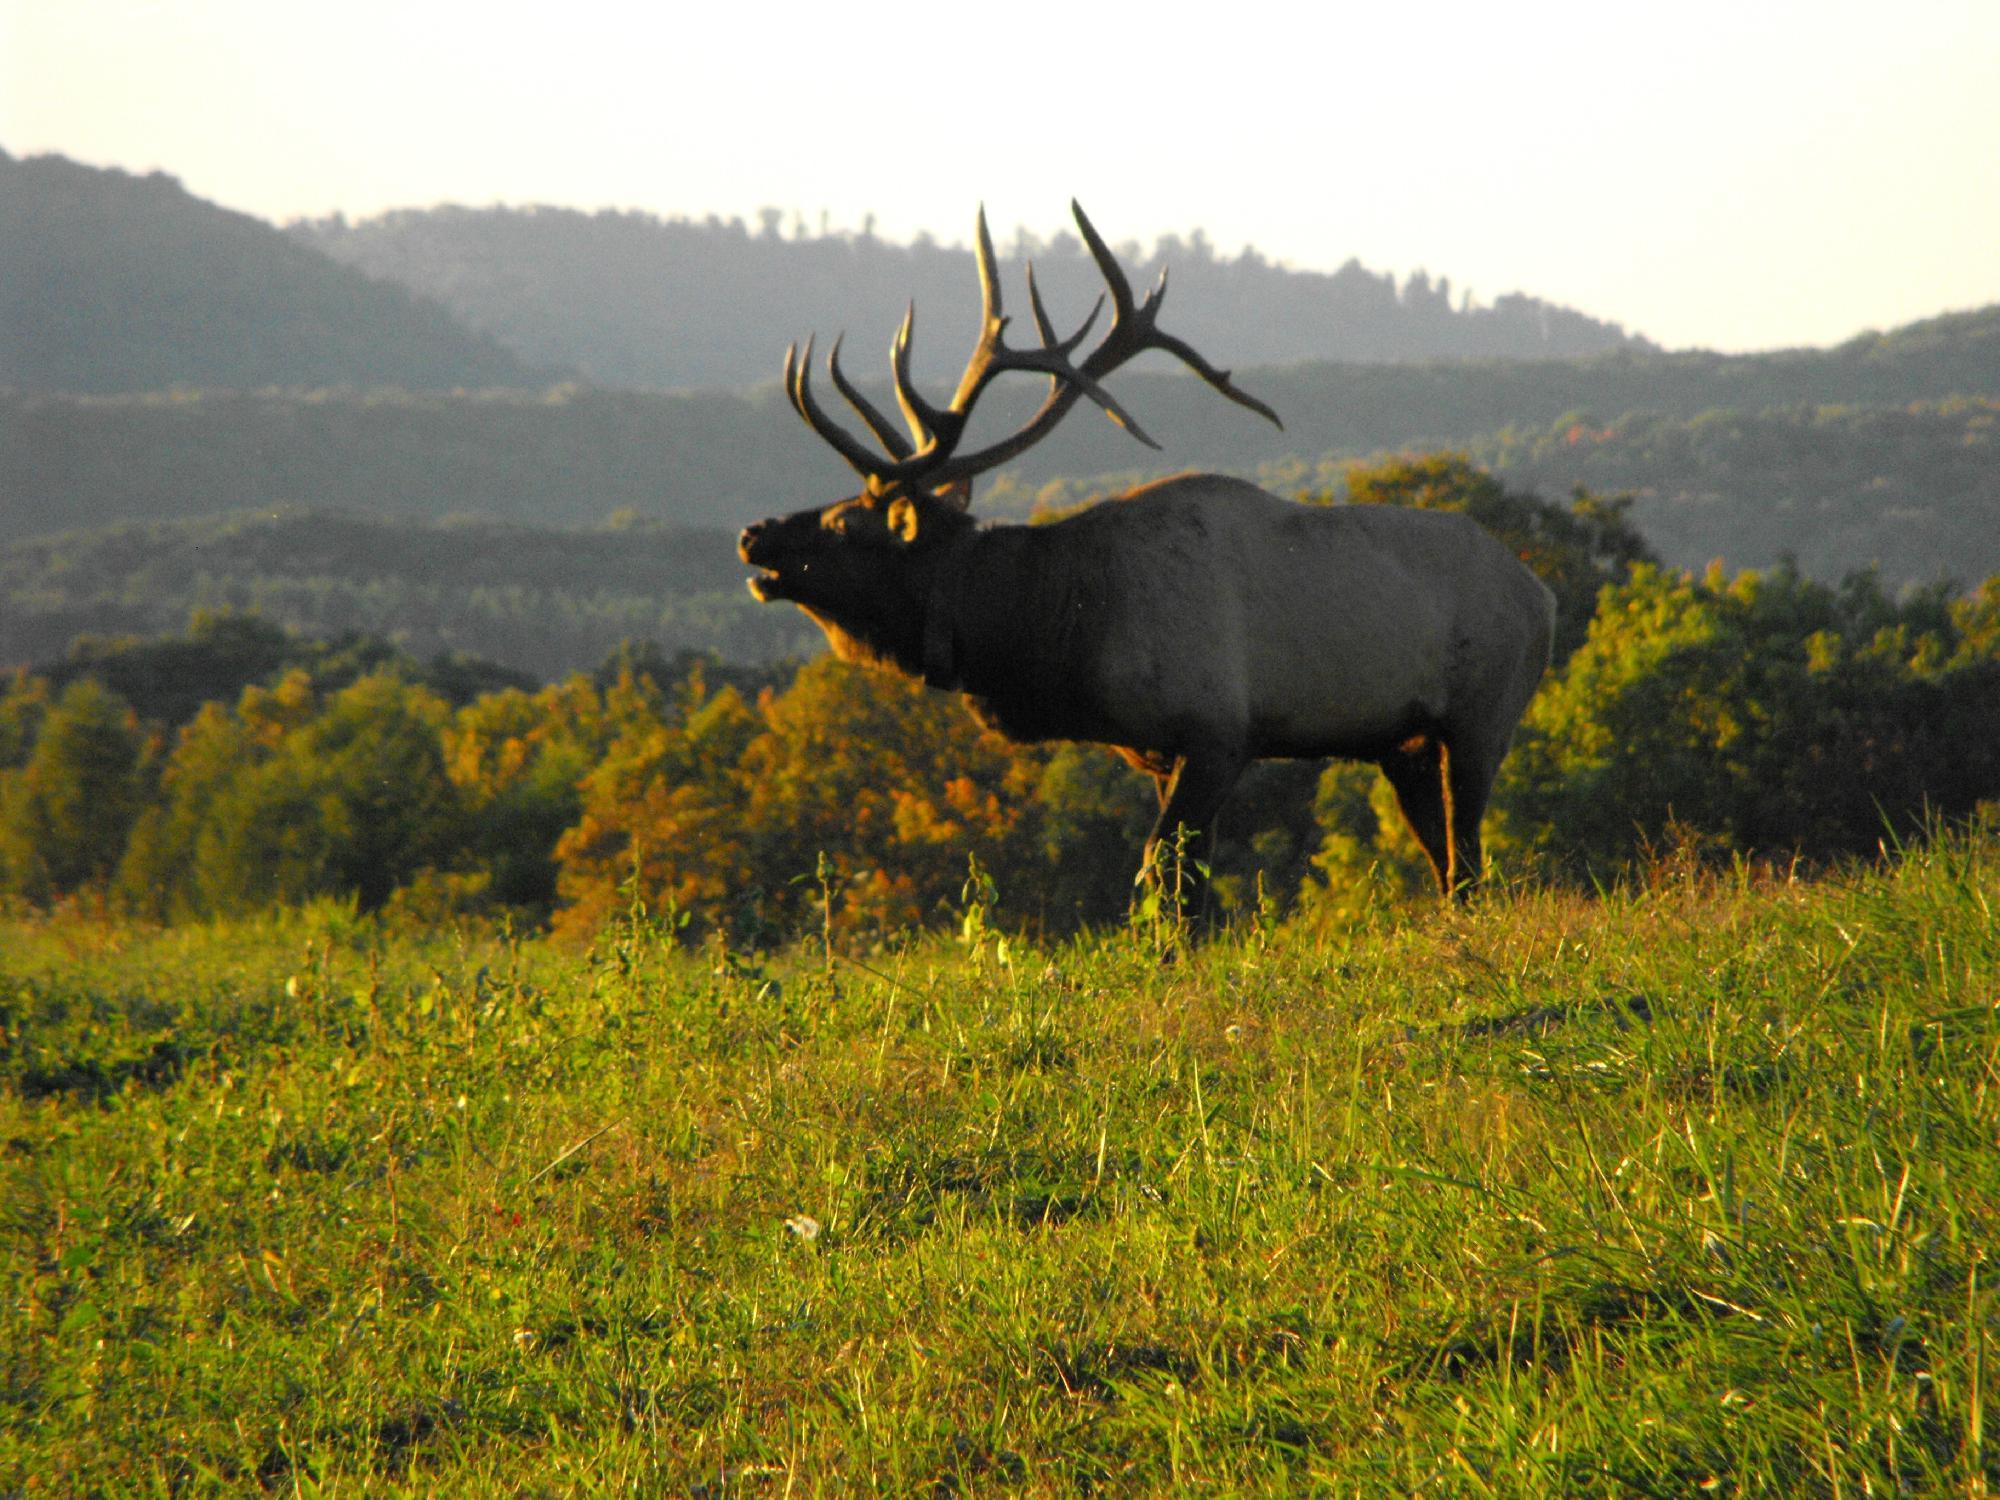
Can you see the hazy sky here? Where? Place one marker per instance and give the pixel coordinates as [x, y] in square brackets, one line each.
[1730, 173]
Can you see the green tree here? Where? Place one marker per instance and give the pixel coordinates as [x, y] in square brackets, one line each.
[22, 708]
[292, 797]
[1766, 714]
[170, 862]
[65, 814]
[357, 801]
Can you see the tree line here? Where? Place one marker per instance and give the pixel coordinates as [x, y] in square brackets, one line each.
[631, 299]
[1763, 715]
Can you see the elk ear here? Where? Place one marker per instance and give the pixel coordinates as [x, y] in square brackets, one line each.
[955, 496]
[903, 519]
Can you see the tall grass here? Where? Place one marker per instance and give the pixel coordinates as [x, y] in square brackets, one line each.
[1688, 1187]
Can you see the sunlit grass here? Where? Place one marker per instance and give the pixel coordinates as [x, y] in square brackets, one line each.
[1688, 1186]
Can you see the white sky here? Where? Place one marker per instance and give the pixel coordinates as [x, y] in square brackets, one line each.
[1731, 173]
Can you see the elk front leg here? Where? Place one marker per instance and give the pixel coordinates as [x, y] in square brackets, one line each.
[1190, 800]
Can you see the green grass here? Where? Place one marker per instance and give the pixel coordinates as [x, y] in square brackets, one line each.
[1688, 1187]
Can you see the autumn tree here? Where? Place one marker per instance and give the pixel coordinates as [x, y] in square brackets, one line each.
[661, 812]
[850, 794]
[518, 762]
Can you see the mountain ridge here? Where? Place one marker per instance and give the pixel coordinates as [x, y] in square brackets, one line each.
[634, 299]
[112, 282]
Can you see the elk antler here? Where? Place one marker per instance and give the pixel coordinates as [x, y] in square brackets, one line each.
[929, 459]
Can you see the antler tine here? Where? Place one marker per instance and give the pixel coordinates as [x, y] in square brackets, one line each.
[1047, 329]
[990, 309]
[1042, 324]
[884, 430]
[791, 375]
[798, 382]
[990, 356]
[1107, 266]
[1145, 333]
[1219, 379]
[928, 424]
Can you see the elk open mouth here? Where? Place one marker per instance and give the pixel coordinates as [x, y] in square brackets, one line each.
[770, 584]
[755, 548]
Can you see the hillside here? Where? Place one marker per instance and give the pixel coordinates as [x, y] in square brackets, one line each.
[634, 300]
[570, 457]
[1915, 489]
[541, 601]
[112, 282]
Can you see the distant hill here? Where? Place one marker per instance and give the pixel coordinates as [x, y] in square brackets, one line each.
[633, 300]
[111, 282]
[1912, 489]
[571, 456]
[537, 600]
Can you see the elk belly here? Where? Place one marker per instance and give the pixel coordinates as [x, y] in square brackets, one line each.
[1342, 659]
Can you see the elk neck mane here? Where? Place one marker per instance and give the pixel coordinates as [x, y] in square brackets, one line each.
[1002, 625]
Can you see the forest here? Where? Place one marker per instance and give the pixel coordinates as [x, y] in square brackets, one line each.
[1761, 716]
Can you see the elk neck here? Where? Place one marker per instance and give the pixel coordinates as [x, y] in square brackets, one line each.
[1005, 624]
[942, 594]
[908, 627]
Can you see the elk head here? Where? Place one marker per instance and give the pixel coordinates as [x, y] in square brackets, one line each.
[863, 566]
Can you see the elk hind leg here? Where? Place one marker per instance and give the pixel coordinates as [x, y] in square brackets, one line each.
[1469, 777]
[1190, 800]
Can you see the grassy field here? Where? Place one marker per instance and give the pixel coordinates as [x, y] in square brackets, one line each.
[1688, 1188]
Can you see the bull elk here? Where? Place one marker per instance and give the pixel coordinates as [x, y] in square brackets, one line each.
[1193, 625]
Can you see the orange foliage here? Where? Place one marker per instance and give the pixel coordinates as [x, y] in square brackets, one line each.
[723, 811]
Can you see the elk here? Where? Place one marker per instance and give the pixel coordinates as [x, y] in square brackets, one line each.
[1192, 625]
